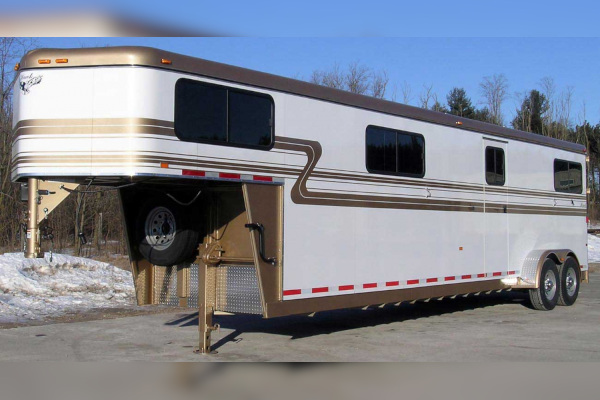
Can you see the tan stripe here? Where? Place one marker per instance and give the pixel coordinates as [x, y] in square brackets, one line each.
[150, 126]
[93, 122]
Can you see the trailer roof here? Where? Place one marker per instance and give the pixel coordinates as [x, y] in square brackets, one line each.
[155, 58]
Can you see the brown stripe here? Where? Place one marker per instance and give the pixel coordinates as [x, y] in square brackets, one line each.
[100, 126]
[301, 195]
[317, 198]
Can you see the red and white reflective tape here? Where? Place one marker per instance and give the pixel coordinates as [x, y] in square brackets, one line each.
[365, 287]
[230, 176]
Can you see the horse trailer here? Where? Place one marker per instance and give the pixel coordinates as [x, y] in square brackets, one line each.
[247, 192]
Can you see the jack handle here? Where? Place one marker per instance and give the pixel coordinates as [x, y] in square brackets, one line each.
[261, 242]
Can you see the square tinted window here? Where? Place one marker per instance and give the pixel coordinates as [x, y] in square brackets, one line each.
[200, 111]
[250, 119]
[568, 177]
[494, 166]
[411, 150]
[381, 150]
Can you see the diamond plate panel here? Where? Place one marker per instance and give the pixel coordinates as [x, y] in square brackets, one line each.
[165, 285]
[237, 289]
[529, 270]
[193, 299]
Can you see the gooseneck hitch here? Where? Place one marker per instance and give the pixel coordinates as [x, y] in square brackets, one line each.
[261, 242]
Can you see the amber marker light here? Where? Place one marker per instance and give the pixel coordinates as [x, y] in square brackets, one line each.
[164, 165]
[17, 66]
[166, 62]
[44, 61]
[61, 60]
[458, 123]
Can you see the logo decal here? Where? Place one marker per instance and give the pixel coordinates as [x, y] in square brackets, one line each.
[27, 81]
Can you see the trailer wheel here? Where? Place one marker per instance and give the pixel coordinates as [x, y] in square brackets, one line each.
[165, 232]
[545, 297]
[569, 282]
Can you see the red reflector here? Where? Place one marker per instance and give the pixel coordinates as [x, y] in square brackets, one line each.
[497, 273]
[292, 292]
[432, 280]
[262, 178]
[226, 175]
[413, 282]
[449, 278]
[481, 275]
[393, 283]
[466, 277]
[190, 172]
[369, 285]
[512, 272]
[320, 290]
[346, 287]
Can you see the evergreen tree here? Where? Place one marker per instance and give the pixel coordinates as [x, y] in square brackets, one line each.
[459, 103]
[530, 116]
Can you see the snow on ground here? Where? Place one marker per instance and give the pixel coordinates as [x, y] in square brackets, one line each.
[593, 248]
[34, 289]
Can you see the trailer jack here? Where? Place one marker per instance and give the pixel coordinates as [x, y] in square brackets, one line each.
[206, 307]
[41, 195]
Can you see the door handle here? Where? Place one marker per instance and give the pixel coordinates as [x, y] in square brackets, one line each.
[261, 242]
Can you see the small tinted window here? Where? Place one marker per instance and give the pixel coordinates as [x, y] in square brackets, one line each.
[568, 176]
[494, 166]
[395, 152]
[250, 119]
[200, 111]
[221, 115]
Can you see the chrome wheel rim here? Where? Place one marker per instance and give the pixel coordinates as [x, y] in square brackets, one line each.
[550, 285]
[160, 228]
[571, 282]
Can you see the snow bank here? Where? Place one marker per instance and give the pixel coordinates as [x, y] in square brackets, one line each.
[593, 248]
[32, 289]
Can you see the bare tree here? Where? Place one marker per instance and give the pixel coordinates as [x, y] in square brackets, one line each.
[11, 50]
[357, 78]
[333, 78]
[406, 93]
[426, 96]
[379, 82]
[549, 91]
[495, 91]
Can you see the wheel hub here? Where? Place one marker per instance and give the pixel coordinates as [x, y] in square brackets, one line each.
[160, 228]
[550, 285]
[571, 282]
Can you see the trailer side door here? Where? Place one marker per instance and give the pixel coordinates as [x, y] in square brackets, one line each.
[495, 206]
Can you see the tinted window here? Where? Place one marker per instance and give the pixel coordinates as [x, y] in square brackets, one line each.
[568, 177]
[494, 166]
[249, 119]
[200, 112]
[395, 152]
[216, 114]
[381, 150]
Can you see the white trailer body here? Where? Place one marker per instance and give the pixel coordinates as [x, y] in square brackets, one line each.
[350, 235]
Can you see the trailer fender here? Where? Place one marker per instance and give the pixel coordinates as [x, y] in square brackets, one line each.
[532, 265]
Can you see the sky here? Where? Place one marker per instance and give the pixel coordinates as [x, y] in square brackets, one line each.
[443, 63]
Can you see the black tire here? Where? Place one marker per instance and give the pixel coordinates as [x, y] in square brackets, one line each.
[175, 232]
[569, 282]
[545, 297]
